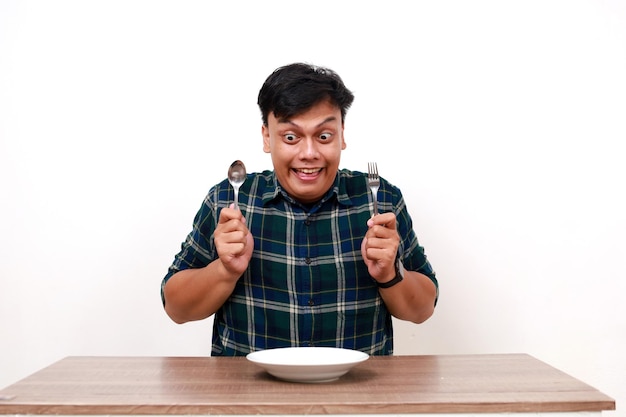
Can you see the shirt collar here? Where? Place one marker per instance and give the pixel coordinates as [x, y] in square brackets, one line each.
[338, 190]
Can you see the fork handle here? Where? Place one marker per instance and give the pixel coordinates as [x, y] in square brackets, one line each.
[375, 199]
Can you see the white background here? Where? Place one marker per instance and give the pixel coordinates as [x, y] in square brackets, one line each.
[503, 122]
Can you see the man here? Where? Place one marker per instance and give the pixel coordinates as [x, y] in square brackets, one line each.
[302, 261]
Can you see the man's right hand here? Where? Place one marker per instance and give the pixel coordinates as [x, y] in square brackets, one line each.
[233, 241]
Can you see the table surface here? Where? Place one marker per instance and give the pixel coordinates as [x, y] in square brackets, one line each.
[380, 385]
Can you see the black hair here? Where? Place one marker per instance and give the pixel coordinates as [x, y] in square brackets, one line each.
[293, 89]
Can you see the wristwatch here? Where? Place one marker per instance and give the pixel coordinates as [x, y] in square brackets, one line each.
[399, 276]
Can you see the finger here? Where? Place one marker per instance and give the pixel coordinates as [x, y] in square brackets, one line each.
[230, 213]
[385, 219]
[381, 232]
[382, 240]
[231, 243]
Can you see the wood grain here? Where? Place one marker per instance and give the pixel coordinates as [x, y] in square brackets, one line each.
[380, 385]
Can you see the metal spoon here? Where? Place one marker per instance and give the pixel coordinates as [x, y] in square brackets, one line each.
[236, 177]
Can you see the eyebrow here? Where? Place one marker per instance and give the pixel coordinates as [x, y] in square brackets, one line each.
[288, 121]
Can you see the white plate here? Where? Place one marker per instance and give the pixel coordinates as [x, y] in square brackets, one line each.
[307, 364]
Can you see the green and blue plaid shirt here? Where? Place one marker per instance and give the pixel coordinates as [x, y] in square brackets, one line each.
[306, 284]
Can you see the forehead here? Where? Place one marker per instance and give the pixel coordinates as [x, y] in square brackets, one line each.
[318, 114]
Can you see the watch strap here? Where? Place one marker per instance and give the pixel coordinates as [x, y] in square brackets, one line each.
[399, 277]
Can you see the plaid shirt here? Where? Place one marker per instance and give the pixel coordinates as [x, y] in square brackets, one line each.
[306, 284]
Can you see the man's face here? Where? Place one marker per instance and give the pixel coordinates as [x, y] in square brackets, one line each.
[306, 150]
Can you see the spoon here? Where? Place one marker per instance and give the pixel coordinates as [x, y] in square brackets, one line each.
[236, 177]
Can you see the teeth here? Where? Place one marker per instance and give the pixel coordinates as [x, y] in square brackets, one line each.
[308, 171]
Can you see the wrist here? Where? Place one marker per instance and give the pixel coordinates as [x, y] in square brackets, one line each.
[226, 273]
[398, 277]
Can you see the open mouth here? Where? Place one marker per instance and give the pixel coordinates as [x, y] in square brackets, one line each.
[307, 173]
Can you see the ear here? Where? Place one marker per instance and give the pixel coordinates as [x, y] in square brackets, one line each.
[343, 139]
[266, 138]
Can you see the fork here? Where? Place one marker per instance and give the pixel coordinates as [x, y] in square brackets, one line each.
[374, 182]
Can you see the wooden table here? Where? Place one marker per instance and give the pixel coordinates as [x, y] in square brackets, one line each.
[468, 384]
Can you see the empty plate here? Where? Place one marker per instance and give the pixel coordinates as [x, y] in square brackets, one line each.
[307, 364]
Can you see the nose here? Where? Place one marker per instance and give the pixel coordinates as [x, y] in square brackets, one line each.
[309, 149]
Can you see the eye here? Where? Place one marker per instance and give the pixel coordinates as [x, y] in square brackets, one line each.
[326, 136]
[290, 137]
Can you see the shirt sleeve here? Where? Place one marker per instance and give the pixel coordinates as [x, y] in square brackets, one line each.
[198, 249]
[411, 253]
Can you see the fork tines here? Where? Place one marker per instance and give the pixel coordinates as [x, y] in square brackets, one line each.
[372, 170]
[374, 182]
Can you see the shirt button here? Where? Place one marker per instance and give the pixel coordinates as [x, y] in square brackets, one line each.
[311, 302]
[307, 261]
[307, 222]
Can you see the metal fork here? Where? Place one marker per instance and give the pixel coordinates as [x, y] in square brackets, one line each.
[374, 182]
